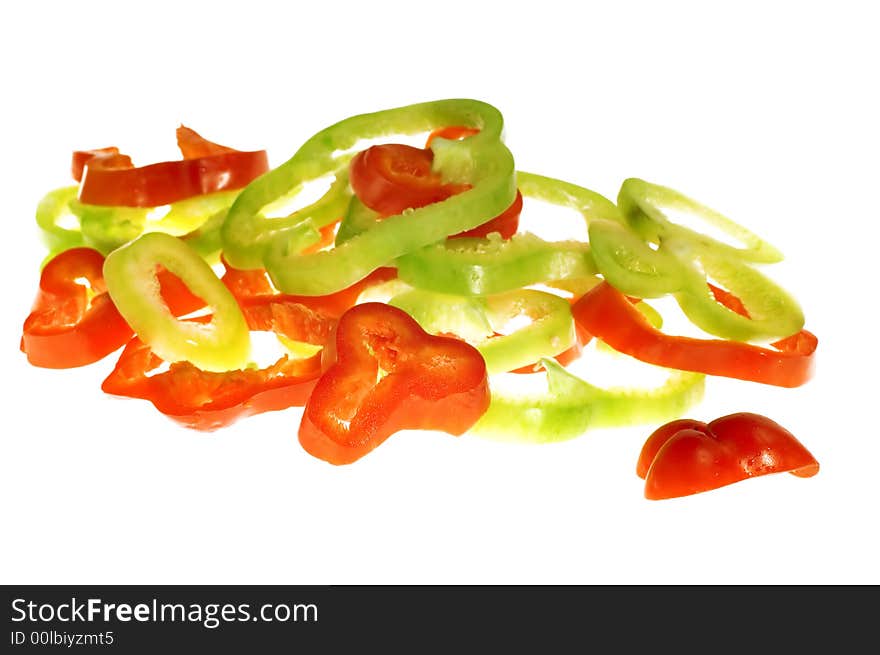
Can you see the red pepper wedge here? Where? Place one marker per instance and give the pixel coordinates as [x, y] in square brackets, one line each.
[73, 322]
[686, 456]
[607, 314]
[109, 178]
[390, 375]
[207, 401]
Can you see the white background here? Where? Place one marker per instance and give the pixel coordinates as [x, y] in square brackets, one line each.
[766, 111]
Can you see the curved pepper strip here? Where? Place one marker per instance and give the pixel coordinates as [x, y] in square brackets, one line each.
[571, 406]
[680, 267]
[130, 274]
[485, 266]
[608, 315]
[642, 204]
[488, 266]
[550, 331]
[105, 228]
[360, 218]
[482, 161]
[206, 400]
[112, 180]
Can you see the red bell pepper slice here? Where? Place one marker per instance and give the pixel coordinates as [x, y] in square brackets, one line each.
[206, 400]
[390, 375]
[73, 321]
[608, 315]
[685, 456]
[109, 178]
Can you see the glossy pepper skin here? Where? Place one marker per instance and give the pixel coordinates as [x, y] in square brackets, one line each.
[686, 456]
[390, 375]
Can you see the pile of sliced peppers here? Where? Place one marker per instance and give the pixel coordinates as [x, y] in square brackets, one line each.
[467, 296]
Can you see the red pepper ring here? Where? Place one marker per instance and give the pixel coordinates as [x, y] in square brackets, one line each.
[607, 314]
[390, 375]
[109, 178]
[73, 324]
[207, 401]
[685, 456]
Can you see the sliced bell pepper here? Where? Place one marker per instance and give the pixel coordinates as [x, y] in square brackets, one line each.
[477, 267]
[130, 275]
[474, 266]
[482, 320]
[647, 255]
[607, 314]
[390, 375]
[52, 210]
[246, 285]
[74, 322]
[685, 456]
[482, 161]
[206, 400]
[391, 178]
[570, 406]
[110, 179]
[642, 204]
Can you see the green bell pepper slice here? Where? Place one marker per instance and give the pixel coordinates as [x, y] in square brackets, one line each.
[130, 275]
[484, 266]
[251, 241]
[642, 204]
[682, 261]
[52, 210]
[550, 329]
[105, 228]
[491, 265]
[570, 406]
